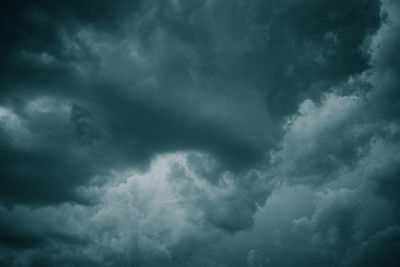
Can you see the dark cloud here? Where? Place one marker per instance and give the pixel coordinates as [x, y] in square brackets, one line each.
[380, 249]
[199, 133]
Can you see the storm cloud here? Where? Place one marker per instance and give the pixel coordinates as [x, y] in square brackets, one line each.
[200, 133]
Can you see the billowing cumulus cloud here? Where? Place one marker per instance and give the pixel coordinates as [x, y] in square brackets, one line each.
[161, 217]
[200, 133]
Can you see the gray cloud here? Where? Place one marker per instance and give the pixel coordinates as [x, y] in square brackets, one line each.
[199, 133]
[146, 220]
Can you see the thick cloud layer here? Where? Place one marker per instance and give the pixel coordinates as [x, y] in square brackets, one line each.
[200, 133]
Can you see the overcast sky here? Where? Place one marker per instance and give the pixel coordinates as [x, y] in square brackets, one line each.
[215, 133]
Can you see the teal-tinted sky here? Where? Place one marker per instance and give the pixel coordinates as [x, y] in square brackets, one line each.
[200, 133]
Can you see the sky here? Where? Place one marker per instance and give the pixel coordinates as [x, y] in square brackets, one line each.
[199, 133]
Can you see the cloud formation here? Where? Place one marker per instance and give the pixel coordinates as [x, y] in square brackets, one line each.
[200, 133]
